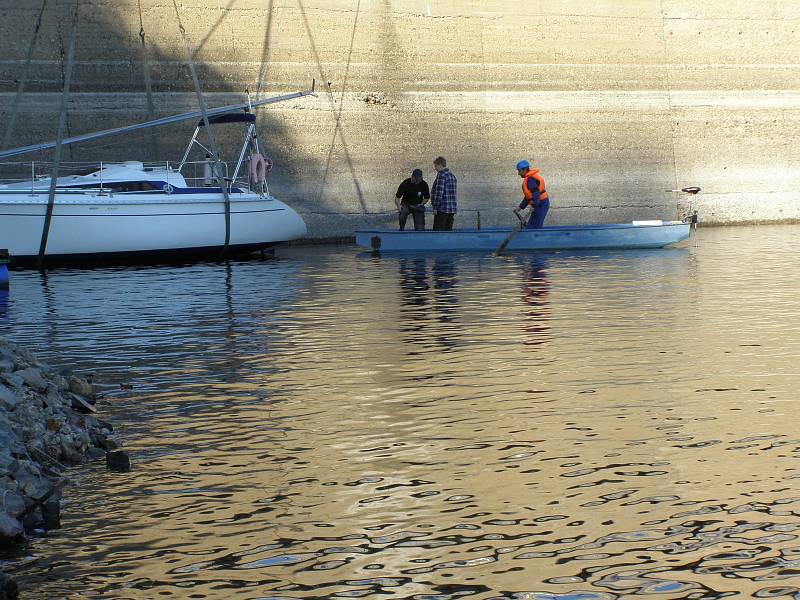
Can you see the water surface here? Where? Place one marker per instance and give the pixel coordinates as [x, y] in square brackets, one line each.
[329, 424]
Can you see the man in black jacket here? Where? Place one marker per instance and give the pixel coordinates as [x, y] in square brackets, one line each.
[411, 197]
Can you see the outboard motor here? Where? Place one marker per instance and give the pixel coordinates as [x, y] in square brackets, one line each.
[689, 215]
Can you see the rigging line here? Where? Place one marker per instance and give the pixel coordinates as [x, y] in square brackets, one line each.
[337, 114]
[151, 111]
[62, 117]
[265, 51]
[673, 127]
[25, 72]
[209, 131]
[215, 26]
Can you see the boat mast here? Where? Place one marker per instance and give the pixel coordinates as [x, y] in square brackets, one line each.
[211, 141]
[59, 136]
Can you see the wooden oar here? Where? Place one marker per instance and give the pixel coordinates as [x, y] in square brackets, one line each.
[515, 231]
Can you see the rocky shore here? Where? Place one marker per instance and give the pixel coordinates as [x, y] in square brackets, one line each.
[47, 422]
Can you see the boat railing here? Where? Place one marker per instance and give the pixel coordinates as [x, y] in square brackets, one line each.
[19, 172]
[201, 174]
[37, 173]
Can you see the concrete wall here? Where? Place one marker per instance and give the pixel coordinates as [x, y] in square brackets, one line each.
[615, 100]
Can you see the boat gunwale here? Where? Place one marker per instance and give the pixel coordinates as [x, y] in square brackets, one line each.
[547, 229]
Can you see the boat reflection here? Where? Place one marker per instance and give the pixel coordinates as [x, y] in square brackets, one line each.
[171, 309]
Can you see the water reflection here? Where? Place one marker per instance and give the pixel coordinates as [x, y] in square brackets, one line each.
[535, 293]
[429, 299]
[414, 284]
[565, 425]
[3, 303]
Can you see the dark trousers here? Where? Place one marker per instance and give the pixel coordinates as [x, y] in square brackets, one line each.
[536, 220]
[418, 212]
[443, 222]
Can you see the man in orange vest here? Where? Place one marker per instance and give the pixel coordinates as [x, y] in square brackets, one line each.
[535, 195]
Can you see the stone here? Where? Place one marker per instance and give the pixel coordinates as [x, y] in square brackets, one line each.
[10, 529]
[51, 513]
[12, 379]
[95, 452]
[69, 453]
[8, 398]
[8, 464]
[12, 503]
[10, 442]
[80, 404]
[33, 377]
[61, 383]
[118, 461]
[9, 590]
[106, 442]
[80, 386]
[32, 519]
[31, 485]
[53, 400]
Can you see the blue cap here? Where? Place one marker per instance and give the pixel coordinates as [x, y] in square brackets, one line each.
[416, 173]
[523, 164]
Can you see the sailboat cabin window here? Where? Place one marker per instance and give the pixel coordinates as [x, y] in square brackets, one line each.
[119, 186]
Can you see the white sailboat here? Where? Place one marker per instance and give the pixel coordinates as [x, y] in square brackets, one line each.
[128, 209]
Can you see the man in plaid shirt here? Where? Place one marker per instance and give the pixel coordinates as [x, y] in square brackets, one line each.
[443, 196]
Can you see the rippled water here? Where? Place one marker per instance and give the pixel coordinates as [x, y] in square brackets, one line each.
[328, 424]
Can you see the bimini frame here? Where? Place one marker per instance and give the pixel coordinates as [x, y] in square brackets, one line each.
[250, 142]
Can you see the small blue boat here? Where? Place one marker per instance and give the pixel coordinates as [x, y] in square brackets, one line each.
[637, 234]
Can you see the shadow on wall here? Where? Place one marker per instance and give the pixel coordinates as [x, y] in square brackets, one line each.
[117, 46]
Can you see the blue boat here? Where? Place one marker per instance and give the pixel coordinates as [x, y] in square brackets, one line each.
[637, 234]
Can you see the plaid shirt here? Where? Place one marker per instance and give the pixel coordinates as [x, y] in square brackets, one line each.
[443, 193]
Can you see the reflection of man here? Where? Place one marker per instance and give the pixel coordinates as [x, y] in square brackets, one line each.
[535, 292]
[410, 198]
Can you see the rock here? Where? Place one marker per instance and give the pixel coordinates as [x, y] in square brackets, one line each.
[32, 519]
[10, 529]
[9, 590]
[68, 451]
[106, 442]
[10, 442]
[81, 404]
[80, 386]
[8, 398]
[118, 461]
[8, 464]
[61, 383]
[24, 358]
[33, 377]
[54, 400]
[51, 513]
[12, 379]
[95, 452]
[31, 485]
[13, 503]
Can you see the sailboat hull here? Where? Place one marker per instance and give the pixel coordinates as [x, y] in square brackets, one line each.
[85, 227]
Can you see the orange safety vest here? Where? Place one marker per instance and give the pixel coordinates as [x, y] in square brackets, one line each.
[533, 174]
